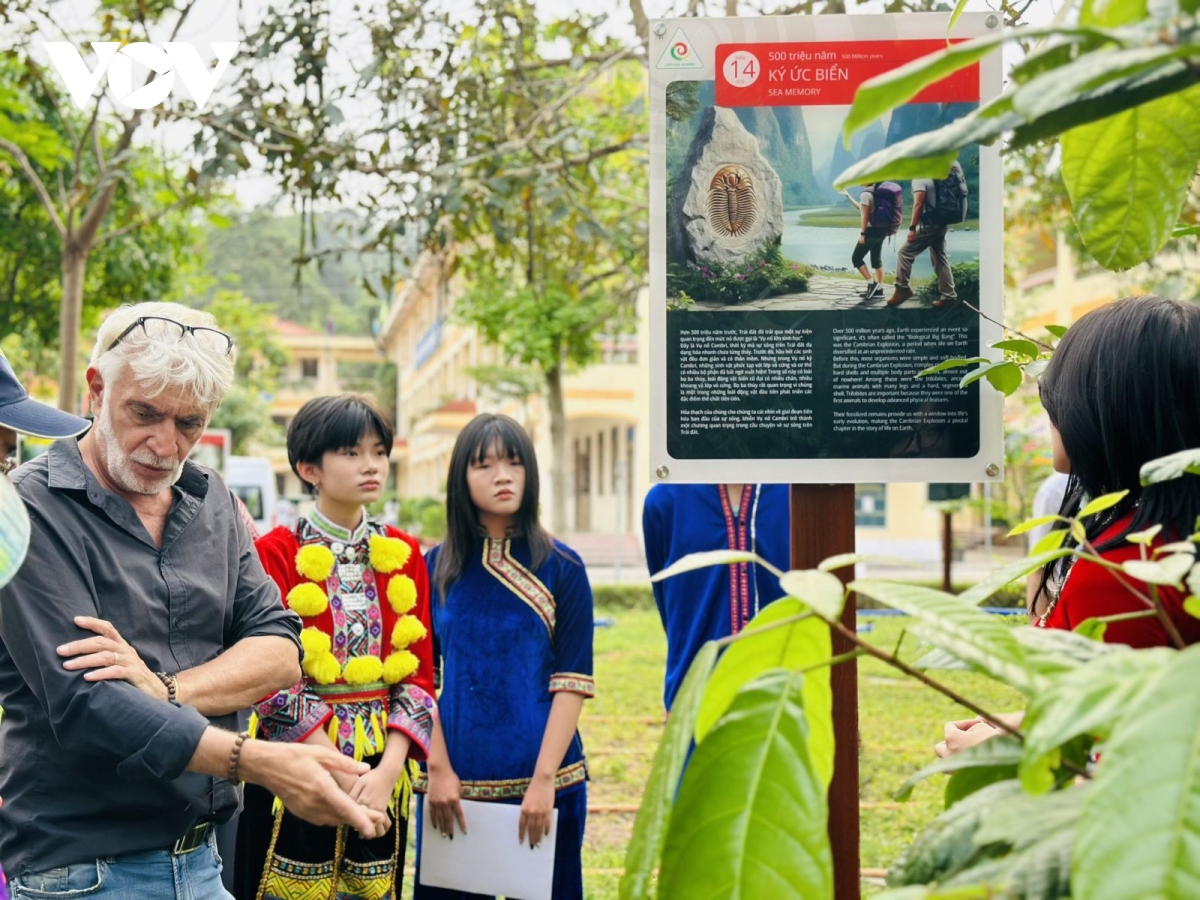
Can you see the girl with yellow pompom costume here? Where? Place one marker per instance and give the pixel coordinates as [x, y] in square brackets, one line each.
[361, 591]
[512, 613]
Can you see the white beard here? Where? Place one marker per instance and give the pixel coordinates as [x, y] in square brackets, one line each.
[120, 464]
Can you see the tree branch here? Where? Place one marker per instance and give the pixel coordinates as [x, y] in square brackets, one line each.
[36, 182]
[142, 219]
[641, 24]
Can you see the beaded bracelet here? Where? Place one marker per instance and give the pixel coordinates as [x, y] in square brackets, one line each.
[236, 753]
[172, 685]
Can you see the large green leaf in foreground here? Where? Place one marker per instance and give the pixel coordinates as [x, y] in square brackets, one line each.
[1139, 836]
[1128, 176]
[649, 829]
[750, 819]
[803, 644]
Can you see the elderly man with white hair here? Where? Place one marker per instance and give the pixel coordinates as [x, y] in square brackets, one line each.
[119, 748]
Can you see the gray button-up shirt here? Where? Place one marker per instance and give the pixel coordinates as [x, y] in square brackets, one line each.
[94, 769]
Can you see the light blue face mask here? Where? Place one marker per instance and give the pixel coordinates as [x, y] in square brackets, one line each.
[14, 531]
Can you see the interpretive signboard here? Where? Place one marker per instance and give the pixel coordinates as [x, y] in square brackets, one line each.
[787, 324]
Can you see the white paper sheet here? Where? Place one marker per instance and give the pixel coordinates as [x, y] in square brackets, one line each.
[488, 859]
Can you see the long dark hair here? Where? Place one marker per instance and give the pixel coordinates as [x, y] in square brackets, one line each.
[485, 432]
[1122, 389]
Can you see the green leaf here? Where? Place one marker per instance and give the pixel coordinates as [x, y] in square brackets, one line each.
[1057, 330]
[1128, 177]
[959, 8]
[1170, 570]
[947, 844]
[952, 364]
[1191, 606]
[1182, 231]
[1093, 629]
[984, 589]
[1136, 836]
[1052, 541]
[1145, 537]
[1168, 468]
[1101, 503]
[1030, 524]
[650, 826]
[1087, 700]
[898, 86]
[945, 621]
[798, 646]
[1050, 651]
[965, 782]
[1111, 13]
[1000, 751]
[987, 370]
[1005, 377]
[841, 561]
[1028, 349]
[820, 591]
[763, 833]
[706, 558]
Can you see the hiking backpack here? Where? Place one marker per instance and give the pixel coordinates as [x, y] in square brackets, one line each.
[949, 199]
[887, 208]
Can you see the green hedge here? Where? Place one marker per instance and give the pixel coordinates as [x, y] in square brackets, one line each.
[623, 596]
[639, 596]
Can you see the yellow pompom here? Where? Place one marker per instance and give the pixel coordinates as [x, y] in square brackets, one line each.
[315, 642]
[399, 665]
[402, 594]
[388, 554]
[307, 600]
[322, 668]
[314, 562]
[408, 630]
[363, 670]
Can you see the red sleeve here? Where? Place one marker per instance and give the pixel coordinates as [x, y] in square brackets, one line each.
[1092, 591]
[422, 649]
[277, 551]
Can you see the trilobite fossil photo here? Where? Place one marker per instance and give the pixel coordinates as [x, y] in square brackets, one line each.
[732, 204]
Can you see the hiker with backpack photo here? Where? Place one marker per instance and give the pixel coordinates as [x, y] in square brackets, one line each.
[881, 207]
[937, 204]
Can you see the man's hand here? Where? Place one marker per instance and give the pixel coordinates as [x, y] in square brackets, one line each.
[862, 238]
[535, 811]
[300, 776]
[110, 658]
[912, 235]
[443, 801]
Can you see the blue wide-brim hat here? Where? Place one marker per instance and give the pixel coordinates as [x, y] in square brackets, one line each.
[27, 416]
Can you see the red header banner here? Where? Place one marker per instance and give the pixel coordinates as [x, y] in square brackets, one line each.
[826, 74]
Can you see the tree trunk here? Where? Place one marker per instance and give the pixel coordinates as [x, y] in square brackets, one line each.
[558, 451]
[74, 268]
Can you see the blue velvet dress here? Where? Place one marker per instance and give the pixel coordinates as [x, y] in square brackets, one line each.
[509, 638]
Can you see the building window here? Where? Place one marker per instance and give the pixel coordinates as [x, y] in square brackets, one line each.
[308, 368]
[870, 505]
[616, 460]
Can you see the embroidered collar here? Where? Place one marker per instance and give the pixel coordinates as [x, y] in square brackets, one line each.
[334, 532]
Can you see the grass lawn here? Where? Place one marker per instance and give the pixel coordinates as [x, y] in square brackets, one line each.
[900, 721]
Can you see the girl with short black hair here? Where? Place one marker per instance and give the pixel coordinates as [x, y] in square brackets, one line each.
[362, 592]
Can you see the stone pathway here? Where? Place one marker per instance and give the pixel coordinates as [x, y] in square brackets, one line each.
[824, 292]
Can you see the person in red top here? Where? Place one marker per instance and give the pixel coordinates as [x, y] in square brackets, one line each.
[362, 592]
[1122, 389]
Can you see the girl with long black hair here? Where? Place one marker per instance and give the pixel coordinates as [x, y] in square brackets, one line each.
[512, 625]
[1122, 389]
